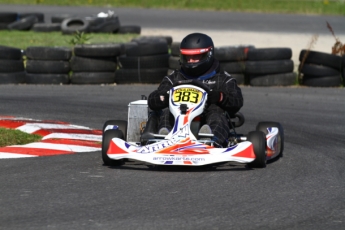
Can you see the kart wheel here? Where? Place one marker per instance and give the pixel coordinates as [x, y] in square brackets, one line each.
[258, 140]
[107, 137]
[120, 123]
[262, 126]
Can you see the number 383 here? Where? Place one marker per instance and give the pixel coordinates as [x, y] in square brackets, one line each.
[186, 96]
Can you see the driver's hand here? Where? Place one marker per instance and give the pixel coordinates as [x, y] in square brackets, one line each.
[215, 97]
[164, 97]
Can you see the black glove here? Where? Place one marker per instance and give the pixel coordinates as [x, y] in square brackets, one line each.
[164, 97]
[214, 97]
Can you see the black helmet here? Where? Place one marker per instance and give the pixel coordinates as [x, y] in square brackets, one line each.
[196, 44]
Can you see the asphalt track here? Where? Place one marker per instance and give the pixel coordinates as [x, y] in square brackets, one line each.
[203, 20]
[303, 190]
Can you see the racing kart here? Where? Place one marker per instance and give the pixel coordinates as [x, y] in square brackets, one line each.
[137, 138]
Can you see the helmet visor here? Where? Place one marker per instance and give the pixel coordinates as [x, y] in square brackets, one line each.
[190, 56]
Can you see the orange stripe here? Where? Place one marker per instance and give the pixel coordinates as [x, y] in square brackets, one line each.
[44, 132]
[248, 152]
[34, 151]
[74, 142]
[114, 149]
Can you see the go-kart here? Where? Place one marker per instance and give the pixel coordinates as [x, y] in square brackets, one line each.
[137, 138]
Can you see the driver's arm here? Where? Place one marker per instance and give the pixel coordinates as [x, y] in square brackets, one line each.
[227, 95]
[159, 99]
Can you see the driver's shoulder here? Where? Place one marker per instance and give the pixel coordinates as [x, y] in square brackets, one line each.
[176, 75]
[223, 76]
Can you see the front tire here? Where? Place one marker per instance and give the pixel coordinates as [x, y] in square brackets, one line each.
[262, 126]
[107, 137]
[122, 125]
[258, 139]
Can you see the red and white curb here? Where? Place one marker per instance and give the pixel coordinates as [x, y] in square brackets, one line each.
[58, 138]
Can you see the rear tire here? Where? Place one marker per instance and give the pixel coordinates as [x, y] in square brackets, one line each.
[258, 139]
[107, 137]
[262, 126]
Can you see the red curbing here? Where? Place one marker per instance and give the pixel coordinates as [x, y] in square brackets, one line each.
[58, 138]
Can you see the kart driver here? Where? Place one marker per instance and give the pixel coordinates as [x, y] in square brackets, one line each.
[197, 62]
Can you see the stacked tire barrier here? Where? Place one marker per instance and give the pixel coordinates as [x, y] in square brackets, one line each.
[145, 61]
[174, 59]
[48, 65]
[270, 67]
[11, 66]
[95, 64]
[7, 18]
[320, 69]
[232, 60]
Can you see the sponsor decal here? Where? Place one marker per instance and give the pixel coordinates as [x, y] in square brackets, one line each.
[209, 82]
[180, 135]
[178, 158]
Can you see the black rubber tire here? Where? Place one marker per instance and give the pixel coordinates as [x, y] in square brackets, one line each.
[12, 78]
[10, 53]
[147, 48]
[23, 24]
[82, 64]
[59, 18]
[98, 50]
[167, 39]
[93, 78]
[46, 27]
[72, 25]
[106, 138]
[104, 25]
[46, 78]
[144, 62]
[3, 26]
[149, 76]
[46, 66]
[8, 17]
[283, 79]
[327, 81]
[318, 70]
[122, 125]
[129, 29]
[268, 67]
[174, 62]
[320, 58]
[267, 54]
[48, 53]
[230, 53]
[10, 66]
[233, 67]
[262, 126]
[39, 16]
[175, 49]
[258, 139]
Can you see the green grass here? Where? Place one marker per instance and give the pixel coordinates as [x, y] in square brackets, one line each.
[326, 7]
[24, 39]
[16, 137]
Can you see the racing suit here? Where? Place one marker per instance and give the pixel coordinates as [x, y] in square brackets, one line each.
[213, 115]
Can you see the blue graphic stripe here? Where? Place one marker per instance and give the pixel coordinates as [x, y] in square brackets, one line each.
[230, 149]
[176, 124]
